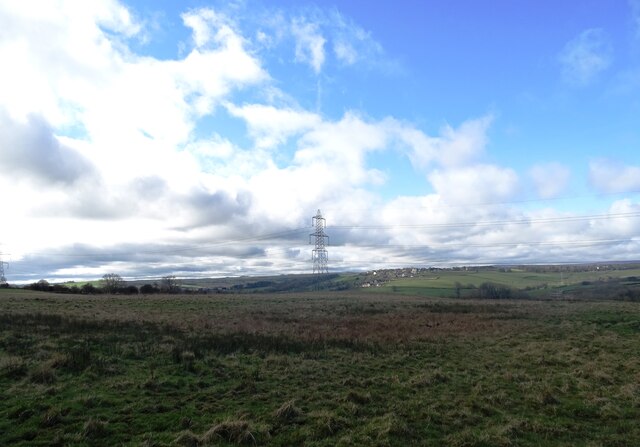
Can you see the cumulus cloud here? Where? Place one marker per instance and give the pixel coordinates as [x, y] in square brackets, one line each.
[143, 174]
[30, 149]
[452, 162]
[309, 43]
[207, 26]
[70, 68]
[214, 208]
[609, 176]
[271, 126]
[586, 56]
[481, 183]
[453, 147]
[329, 165]
[53, 52]
[550, 179]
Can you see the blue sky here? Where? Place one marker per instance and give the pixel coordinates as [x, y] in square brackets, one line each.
[154, 137]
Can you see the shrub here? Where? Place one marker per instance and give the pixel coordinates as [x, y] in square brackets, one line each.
[494, 291]
[89, 289]
[148, 289]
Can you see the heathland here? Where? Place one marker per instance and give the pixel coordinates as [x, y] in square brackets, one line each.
[394, 364]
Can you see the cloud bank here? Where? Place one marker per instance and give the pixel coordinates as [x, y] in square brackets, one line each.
[204, 164]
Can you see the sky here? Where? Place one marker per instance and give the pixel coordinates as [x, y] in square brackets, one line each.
[199, 138]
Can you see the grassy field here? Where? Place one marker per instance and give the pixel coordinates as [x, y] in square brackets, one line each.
[318, 369]
[442, 283]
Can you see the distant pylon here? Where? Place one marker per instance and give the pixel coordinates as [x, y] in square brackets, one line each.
[3, 280]
[319, 254]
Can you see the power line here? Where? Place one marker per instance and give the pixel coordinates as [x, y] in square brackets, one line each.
[489, 223]
[294, 231]
[412, 250]
[444, 204]
[497, 244]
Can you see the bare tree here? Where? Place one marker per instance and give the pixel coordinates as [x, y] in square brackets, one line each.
[170, 284]
[112, 282]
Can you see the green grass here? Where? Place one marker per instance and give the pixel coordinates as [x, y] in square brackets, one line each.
[319, 369]
[442, 283]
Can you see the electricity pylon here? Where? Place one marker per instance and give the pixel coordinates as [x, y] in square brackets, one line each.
[319, 254]
[3, 280]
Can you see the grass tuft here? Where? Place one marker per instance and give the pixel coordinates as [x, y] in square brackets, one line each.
[13, 367]
[239, 432]
[430, 378]
[358, 398]
[187, 439]
[95, 428]
[51, 417]
[327, 423]
[188, 358]
[288, 412]
[186, 422]
[78, 358]
[43, 374]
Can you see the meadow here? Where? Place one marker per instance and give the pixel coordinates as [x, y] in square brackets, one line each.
[317, 369]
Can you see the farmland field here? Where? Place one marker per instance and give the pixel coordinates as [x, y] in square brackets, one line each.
[325, 368]
[442, 283]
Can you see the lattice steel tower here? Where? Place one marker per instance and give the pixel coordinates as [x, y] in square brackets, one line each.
[3, 280]
[319, 254]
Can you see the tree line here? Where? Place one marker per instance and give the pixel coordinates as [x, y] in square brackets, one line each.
[111, 283]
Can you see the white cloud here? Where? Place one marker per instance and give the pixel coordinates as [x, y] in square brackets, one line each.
[132, 108]
[67, 70]
[345, 52]
[475, 184]
[343, 143]
[454, 147]
[114, 136]
[550, 179]
[608, 176]
[351, 43]
[30, 150]
[319, 38]
[586, 56]
[309, 43]
[215, 147]
[329, 166]
[54, 50]
[207, 26]
[271, 126]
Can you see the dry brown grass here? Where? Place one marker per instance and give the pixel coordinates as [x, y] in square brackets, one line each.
[367, 369]
[358, 317]
[288, 412]
[239, 432]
